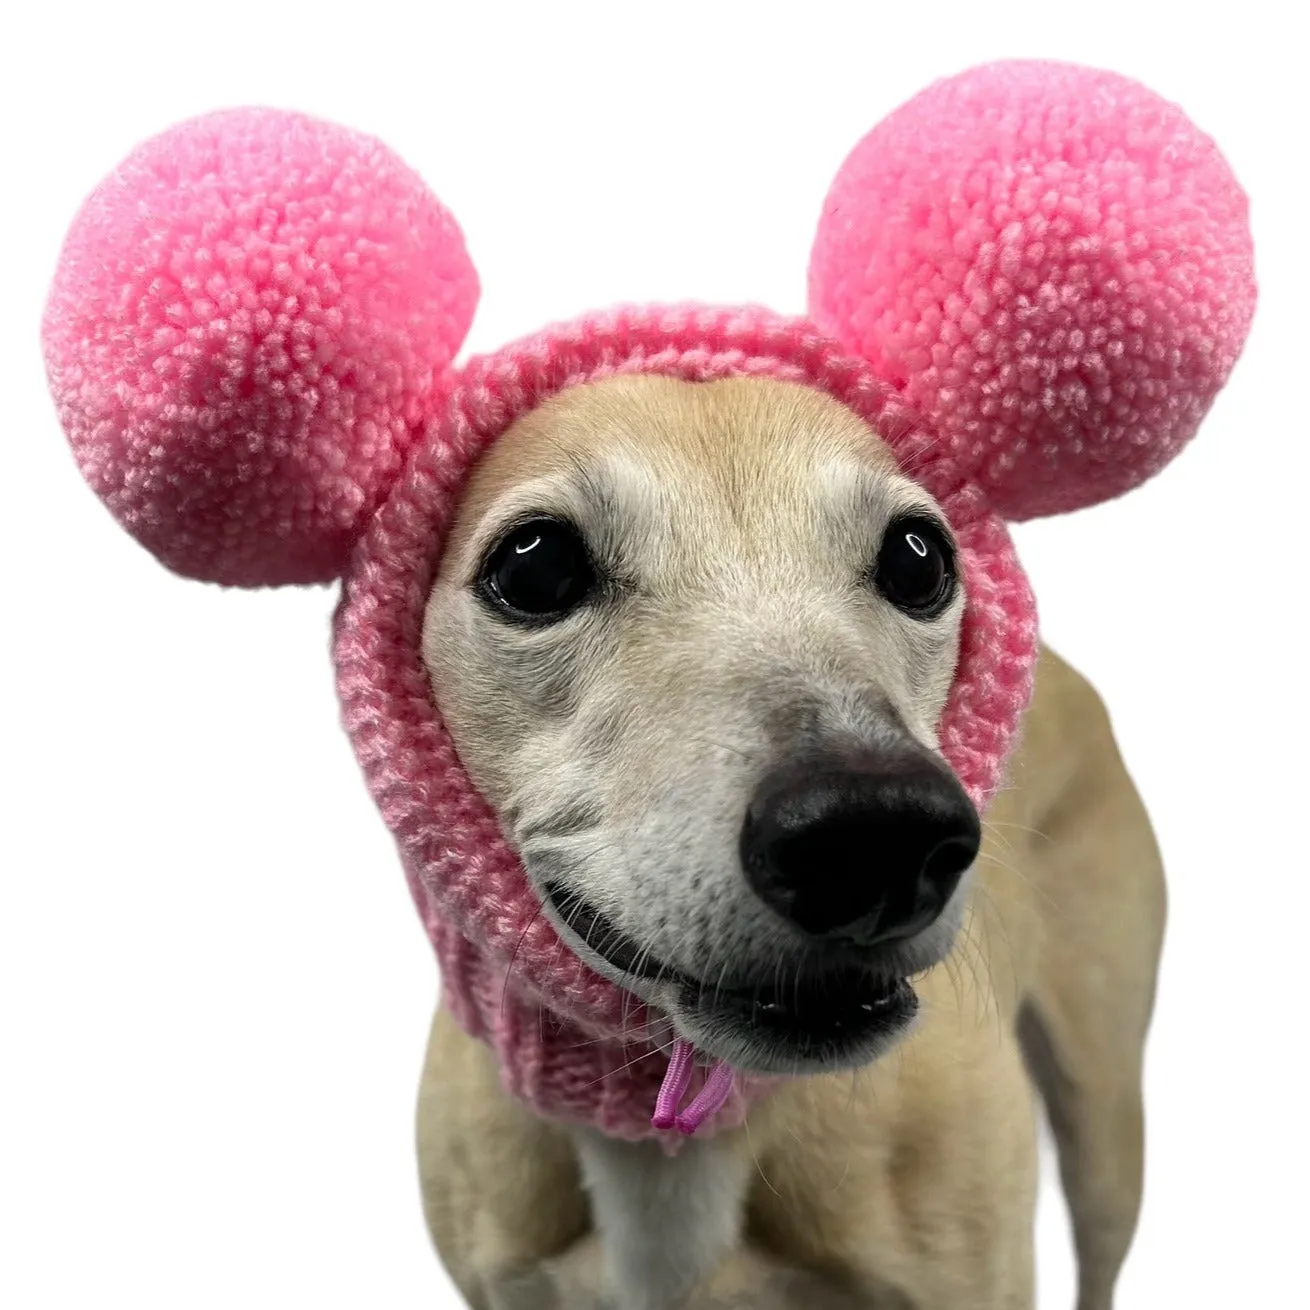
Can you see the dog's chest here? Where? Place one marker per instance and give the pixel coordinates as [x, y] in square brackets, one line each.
[664, 1221]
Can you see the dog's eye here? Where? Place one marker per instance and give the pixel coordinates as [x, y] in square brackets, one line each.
[540, 570]
[916, 566]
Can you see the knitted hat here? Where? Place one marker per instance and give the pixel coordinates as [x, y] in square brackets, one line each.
[1030, 281]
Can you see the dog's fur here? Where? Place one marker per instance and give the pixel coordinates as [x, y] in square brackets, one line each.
[620, 748]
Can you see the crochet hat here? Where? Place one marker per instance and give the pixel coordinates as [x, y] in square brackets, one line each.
[1030, 280]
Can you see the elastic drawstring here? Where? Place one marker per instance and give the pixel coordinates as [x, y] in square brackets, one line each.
[707, 1102]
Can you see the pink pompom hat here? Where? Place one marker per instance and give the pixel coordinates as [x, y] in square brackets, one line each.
[1030, 280]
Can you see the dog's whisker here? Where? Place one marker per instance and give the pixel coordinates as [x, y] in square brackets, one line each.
[755, 1158]
[509, 968]
[629, 1064]
[962, 953]
[996, 918]
[993, 824]
[720, 745]
[1017, 873]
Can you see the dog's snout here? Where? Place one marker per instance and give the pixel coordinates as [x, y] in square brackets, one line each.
[868, 850]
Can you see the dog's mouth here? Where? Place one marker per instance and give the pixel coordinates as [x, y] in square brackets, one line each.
[602, 937]
[815, 1015]
[818, 1017]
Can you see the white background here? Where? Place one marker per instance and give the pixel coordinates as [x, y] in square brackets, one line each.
[214, 991]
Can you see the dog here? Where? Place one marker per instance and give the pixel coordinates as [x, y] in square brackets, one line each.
[691, 640]
[683, 648]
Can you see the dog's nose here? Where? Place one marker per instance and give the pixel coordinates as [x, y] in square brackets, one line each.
[868, 850]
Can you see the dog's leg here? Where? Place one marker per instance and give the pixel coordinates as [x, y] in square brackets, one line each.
[501, 1189]
[747, 1280]
[1098, 1127]
[508, 1213]
[575, 1280]
[752, 1280]
[909, 1185]
[1084, 1022]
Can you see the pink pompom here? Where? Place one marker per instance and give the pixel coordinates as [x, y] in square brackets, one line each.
[1054, 265]
[244, 334]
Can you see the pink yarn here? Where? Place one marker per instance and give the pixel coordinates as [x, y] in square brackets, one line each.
[1053, 264]
[249, 340]
[247, 323]
[470, 885]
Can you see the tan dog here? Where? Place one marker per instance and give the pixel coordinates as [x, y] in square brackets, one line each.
[748, 630]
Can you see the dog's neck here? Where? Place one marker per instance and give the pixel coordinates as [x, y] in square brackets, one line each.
[665, 1220]
[560, 1069]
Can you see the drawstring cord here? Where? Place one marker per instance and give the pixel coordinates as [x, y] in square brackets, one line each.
[707, 1102]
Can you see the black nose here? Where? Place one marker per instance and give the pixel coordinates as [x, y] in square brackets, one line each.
[869, 850]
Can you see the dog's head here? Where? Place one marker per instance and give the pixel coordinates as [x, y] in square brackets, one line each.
[693, 642]
[718, 609]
